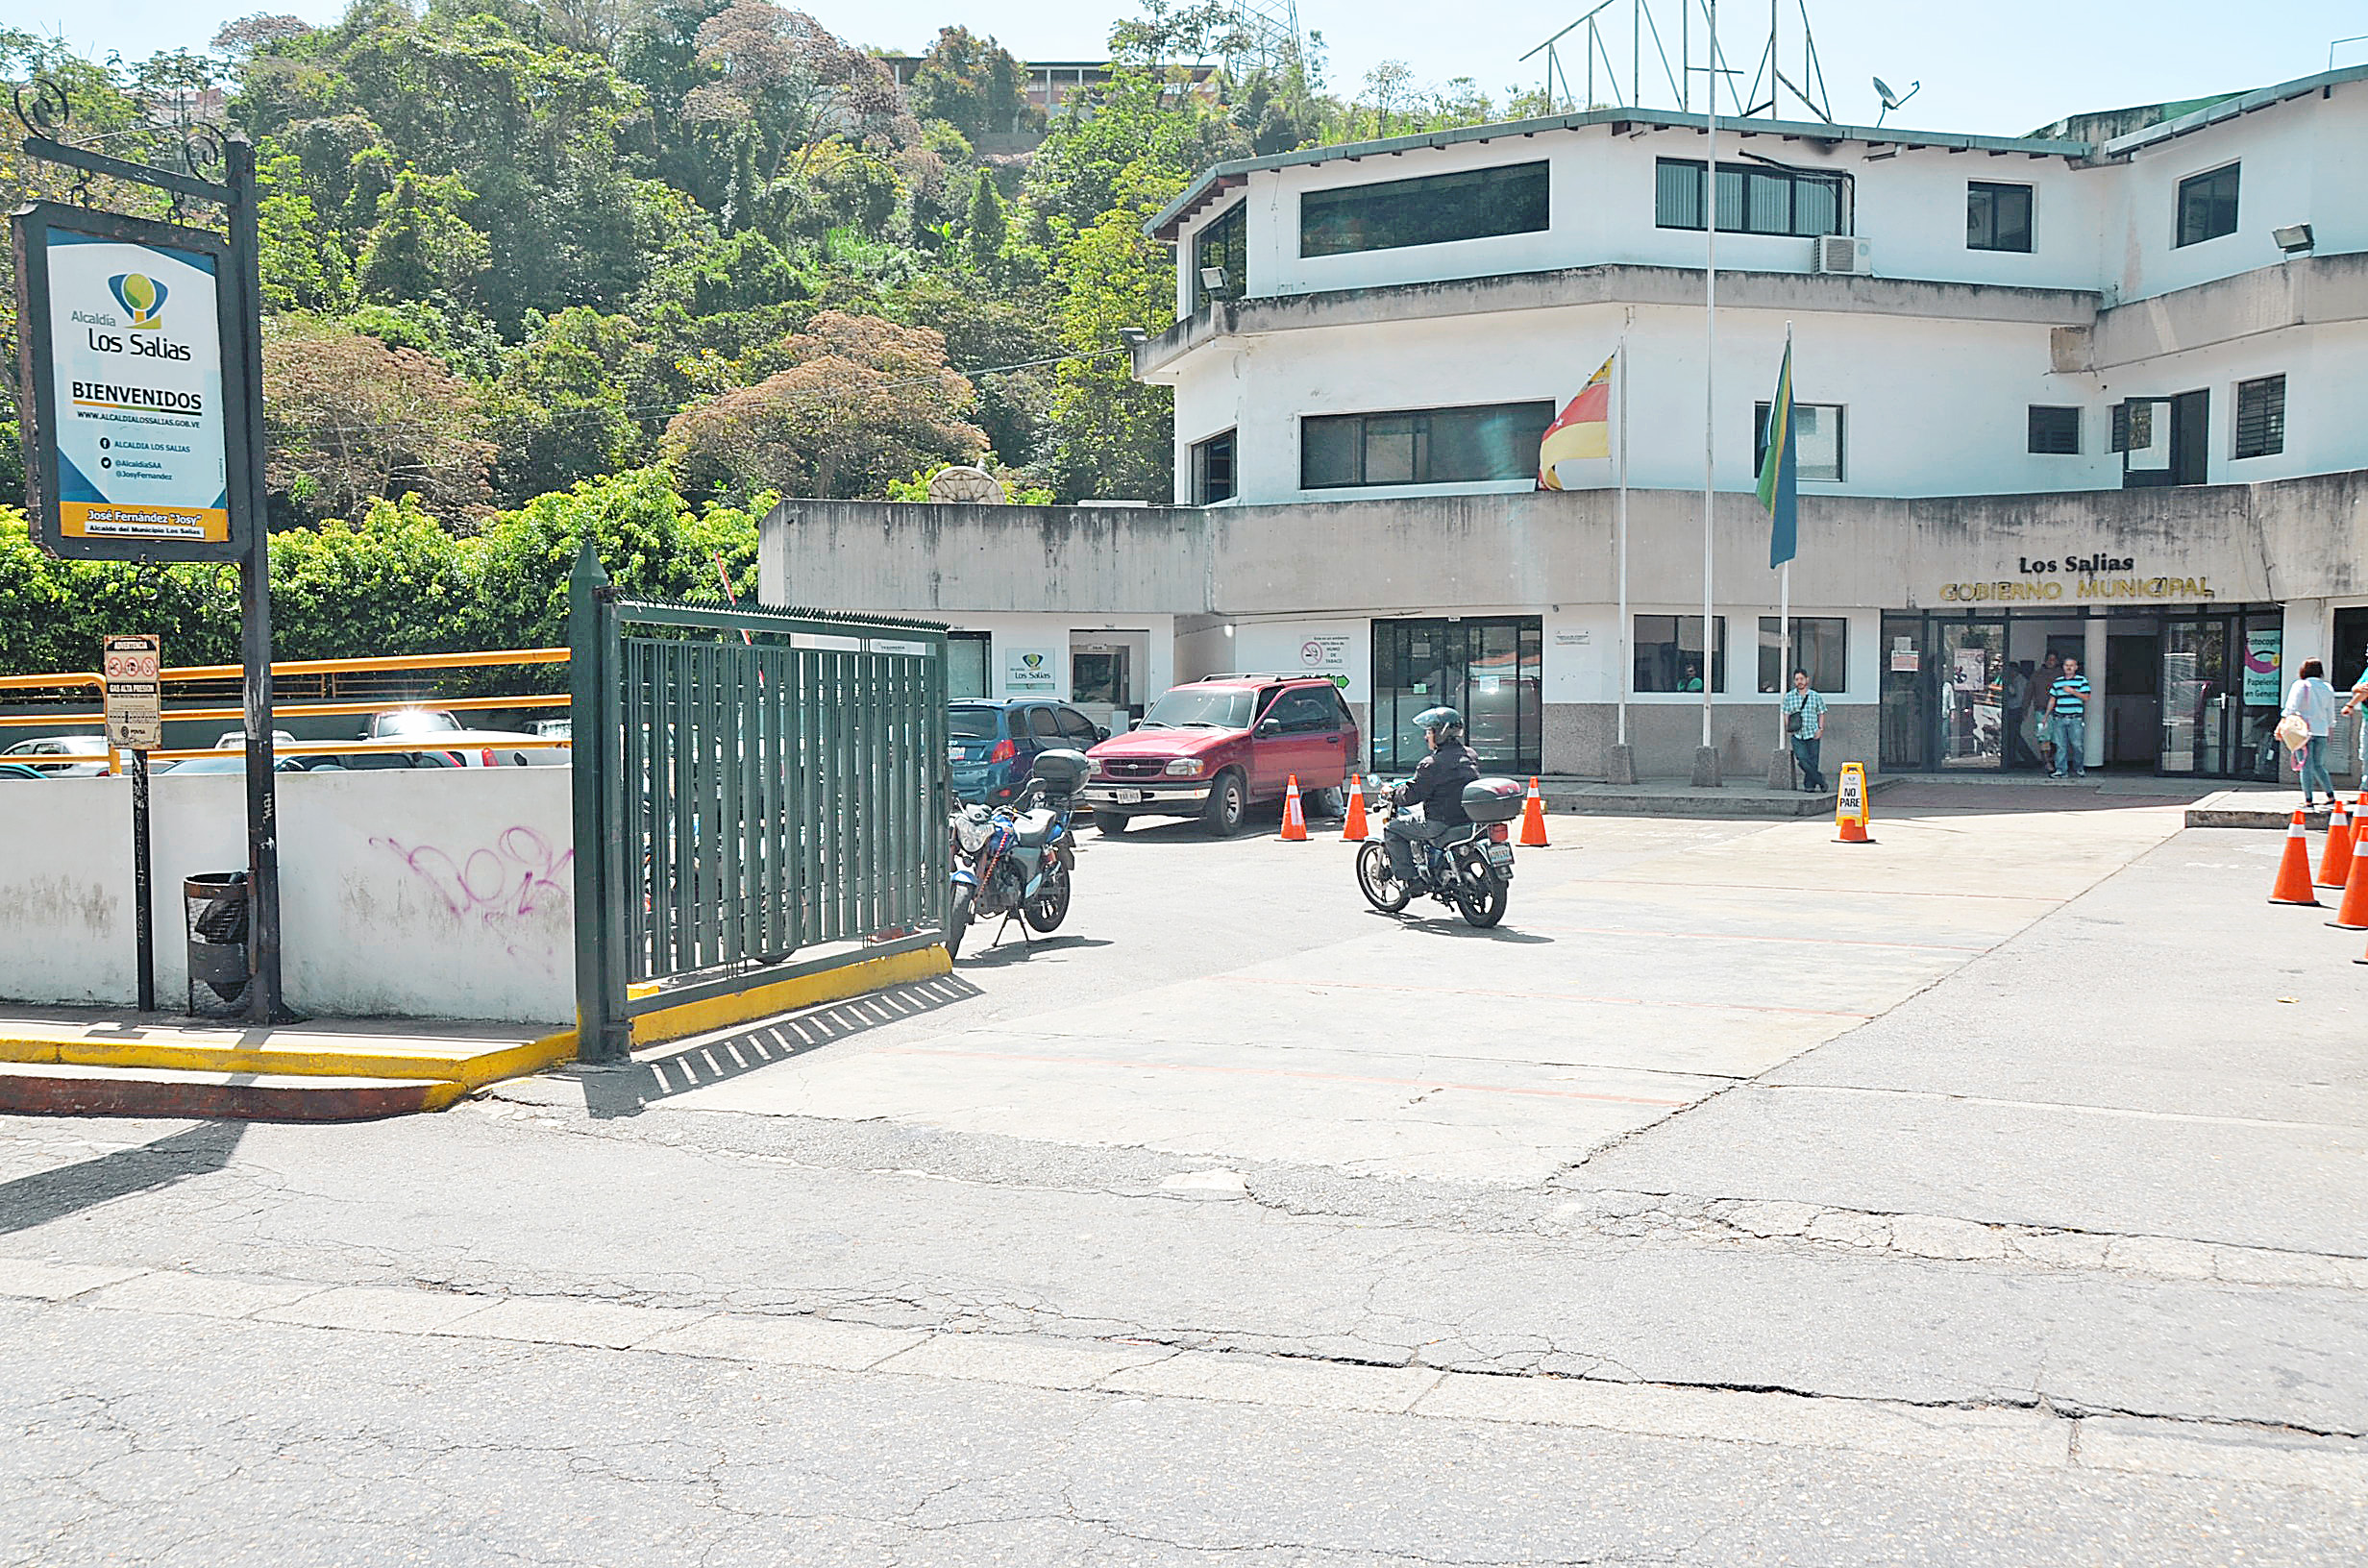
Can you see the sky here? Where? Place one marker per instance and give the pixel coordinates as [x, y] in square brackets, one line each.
[1996, 67]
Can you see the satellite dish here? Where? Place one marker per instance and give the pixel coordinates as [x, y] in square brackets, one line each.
[1892, 100]
[962, 484]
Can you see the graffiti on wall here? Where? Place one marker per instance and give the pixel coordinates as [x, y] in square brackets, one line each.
[518, 880]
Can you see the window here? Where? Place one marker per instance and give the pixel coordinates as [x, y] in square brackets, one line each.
[1422, 446]
[1212, 469]
[2207, 205]
[1306, 710]
[1668, 651]
[1816, 439]
[1753, 200]
[1044, 726]
[1820, 646]
[2260, 417]
[1226, 244]
[1075, 728]
[966, 663]
[1997, 217]
[1479, 204]
[2055, 431]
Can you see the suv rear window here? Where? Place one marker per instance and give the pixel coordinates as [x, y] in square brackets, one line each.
[974, 723]
[1199, 707]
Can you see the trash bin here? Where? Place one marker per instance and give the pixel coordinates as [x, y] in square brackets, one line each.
[218, 974]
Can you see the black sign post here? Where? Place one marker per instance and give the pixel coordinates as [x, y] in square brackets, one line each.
[143, 430]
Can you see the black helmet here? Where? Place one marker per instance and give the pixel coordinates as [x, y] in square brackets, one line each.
[1445, 723]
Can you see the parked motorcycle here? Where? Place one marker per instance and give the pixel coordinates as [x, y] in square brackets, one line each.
[1016, 859]
[1470, 872]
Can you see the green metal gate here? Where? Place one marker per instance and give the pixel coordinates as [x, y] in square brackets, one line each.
[758, 784]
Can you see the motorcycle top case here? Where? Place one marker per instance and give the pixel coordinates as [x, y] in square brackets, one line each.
[1494, 799]
[1062, 770]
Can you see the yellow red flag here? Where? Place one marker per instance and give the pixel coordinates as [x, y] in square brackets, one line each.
[1583, 429]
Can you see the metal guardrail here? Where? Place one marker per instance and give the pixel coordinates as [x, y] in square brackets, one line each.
[758, 783]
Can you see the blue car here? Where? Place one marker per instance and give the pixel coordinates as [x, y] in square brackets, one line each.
[993, 745]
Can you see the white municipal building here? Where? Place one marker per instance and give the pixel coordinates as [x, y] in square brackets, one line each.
[2103, 392]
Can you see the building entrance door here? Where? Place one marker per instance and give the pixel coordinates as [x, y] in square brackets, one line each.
[1972, 682]
[1486, 667]
[2197, 715]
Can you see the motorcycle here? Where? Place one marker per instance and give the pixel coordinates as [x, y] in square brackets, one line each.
[1016, 860]
[1470, 871]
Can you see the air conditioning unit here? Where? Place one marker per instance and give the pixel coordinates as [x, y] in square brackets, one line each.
[1842, 252]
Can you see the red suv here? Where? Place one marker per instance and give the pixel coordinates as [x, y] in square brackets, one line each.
[1211, 748]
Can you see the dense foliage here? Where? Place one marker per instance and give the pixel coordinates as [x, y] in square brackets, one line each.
[515, 247]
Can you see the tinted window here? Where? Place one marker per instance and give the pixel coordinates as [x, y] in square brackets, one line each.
[973, 723]
[1212, 469]
[1422, 446]
[2260, 417]
[1668, 653]
[1816, 439]
[1305, 710]
[1477, 203]
[2055, 430]
[1222, 244]
[2207, 205]
[1075, 728]
[1044, 726]
[1997, 217]
[1820, 646]
[1752, 199]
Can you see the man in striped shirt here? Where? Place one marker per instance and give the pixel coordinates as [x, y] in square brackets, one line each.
[1805, 724]
[2068, 704]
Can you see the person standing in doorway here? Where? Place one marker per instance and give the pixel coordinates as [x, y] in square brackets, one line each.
[2313, 701]
[1805, 724]
[2359, 700]
[2043, 718]
[2068, 703]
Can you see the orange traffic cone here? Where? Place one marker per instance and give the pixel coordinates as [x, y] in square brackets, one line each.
[2352, 915]
[1354, 829]
[2335, 860]
[2293, 884]
[1533, 819]
[1295, 819]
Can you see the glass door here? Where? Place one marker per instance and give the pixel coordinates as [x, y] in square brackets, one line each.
[1486, 668]
[1907, 701]
[2196, 710]
[1972, 681]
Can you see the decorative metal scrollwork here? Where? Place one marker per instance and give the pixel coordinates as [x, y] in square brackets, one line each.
[200, 147]
[42, 107]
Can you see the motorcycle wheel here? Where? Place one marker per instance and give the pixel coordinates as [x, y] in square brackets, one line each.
[1380, 886]
[1049, 907]
[1482, 906]
[958, 923]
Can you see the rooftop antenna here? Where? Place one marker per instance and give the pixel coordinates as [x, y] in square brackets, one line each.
[1892, 100]
[1617, 56]
[1263, 35]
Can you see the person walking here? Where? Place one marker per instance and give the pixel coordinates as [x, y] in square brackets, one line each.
[2312, 700]
[1805, 724]
[2067, 705]
[2043, 722]
[2359, 700]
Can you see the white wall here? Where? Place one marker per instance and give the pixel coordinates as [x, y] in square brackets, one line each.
[1015, 635]
[444, 893]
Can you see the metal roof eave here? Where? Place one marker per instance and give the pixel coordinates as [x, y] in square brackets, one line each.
[2229, 109]
[1163, 225]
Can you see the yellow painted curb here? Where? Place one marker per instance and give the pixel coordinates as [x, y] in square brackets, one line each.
[463, 1070]
[788, 996]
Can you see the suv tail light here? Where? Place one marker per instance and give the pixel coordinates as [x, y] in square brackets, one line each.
[1005, 751]
[1499, 833]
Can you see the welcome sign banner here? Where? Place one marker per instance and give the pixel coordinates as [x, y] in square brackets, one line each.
[125, 345]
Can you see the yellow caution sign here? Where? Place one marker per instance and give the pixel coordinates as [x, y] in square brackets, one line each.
[1850, 805]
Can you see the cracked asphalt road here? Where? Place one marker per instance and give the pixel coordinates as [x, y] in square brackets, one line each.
[2042, 1120]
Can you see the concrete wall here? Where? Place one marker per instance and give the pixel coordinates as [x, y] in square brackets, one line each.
[444, 893]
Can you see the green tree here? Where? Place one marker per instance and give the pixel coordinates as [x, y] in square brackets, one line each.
[422, 246]
[1113, 433]
[562, 411]
[985, 228]
[972, 84]
[349, 420]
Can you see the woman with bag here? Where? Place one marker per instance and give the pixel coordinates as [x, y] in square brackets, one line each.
[2310, 714]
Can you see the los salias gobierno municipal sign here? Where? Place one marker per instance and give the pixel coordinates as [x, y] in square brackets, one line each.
[133, 431]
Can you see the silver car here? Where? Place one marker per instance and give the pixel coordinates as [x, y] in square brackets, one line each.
[61, 756]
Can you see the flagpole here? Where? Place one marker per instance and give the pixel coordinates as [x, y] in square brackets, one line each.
[1783, 583]
[1706, 761]
[1626, 672]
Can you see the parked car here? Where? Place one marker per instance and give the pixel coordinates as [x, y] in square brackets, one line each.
[467, 747]
[1211, 748]
[227, 762]
[20, 770]
[237, 740]
[61, 756]
[553, 729]
[993, 743]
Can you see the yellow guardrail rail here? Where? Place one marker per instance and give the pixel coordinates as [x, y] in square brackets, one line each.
[78, 681]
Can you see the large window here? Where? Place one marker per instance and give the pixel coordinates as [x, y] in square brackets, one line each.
[1212, 469]
[2055, 430]
[1486, 667]
[1668, 653]
[1816, 439]
[1478, 204]
[1753, 200]
[2207, 205]
[1820, 646]
[966, 664]
[1223, 245]
[1422, 446]
[1997, 217]
[2260, 417]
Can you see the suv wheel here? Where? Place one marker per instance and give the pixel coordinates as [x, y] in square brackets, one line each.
[1229, 804]
[1112, 822]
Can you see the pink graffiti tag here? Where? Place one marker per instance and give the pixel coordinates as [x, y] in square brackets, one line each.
[516, 878]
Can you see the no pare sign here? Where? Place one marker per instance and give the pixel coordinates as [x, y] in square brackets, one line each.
[133, 666]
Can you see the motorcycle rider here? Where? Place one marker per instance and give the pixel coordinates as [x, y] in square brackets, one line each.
[1437, 787]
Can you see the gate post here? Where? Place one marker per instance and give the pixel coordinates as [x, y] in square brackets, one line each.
[604, 1032]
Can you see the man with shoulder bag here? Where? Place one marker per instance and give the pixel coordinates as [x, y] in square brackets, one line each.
[1805, 727]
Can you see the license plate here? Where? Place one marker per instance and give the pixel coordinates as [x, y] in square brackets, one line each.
[1500, 854]
[1130, 797]
[954, 753]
